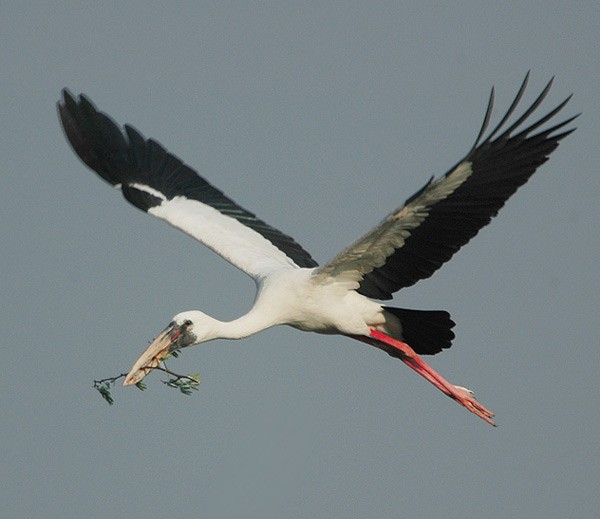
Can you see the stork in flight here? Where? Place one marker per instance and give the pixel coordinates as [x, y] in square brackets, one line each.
[410, 244]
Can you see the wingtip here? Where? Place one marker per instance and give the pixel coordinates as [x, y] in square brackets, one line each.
[67, 96]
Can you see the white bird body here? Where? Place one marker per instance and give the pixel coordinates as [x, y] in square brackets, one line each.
[339, 296]
[332, 307]
[294, 297]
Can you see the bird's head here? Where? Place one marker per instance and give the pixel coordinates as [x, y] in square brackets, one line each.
[185, 329]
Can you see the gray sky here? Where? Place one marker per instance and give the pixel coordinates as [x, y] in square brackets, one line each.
[321, 117]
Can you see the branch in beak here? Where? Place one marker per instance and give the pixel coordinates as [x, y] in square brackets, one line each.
[160, 349]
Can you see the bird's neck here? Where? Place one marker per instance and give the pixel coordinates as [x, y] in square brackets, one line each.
[245, 326]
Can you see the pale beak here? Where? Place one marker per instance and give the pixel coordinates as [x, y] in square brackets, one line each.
[159, 349]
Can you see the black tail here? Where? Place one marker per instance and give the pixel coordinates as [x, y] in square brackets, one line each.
[426, 331]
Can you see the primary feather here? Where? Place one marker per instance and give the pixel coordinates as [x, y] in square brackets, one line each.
[418, 238]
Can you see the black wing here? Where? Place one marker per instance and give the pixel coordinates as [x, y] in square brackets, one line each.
[159, 183]
[416, 239]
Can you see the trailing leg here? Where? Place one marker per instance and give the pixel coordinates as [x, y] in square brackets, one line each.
[407, 355]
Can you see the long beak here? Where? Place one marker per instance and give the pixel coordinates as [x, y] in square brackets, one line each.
[153, 356]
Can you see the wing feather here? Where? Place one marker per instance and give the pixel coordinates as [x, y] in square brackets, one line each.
[159, 183]
[418, 238]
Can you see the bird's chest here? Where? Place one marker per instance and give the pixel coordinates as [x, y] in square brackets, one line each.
[321, 308]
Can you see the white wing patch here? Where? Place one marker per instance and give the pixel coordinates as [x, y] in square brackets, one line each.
[238, 244]
[149, 190]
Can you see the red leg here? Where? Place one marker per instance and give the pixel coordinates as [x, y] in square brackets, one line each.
[463, 396]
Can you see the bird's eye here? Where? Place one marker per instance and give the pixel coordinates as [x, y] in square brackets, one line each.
[187, 323]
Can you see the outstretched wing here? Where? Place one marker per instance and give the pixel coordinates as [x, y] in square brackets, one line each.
[159, 183]
[416, 239]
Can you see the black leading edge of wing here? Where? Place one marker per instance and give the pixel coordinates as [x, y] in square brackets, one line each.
[500, 163]
[125, 159]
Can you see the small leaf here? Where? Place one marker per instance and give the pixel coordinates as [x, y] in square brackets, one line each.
[195, 377]
[105, 393]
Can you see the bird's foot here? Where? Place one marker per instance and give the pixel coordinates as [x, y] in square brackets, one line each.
[466, 398]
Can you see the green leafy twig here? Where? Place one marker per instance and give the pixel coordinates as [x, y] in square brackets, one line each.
[103, 387]
[185, 383]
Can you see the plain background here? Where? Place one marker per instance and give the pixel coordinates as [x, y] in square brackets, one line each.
[321, 117]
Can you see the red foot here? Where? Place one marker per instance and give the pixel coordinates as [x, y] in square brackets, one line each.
[462, 395]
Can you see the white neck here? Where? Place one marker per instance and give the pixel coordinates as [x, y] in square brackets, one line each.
[245, 326]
